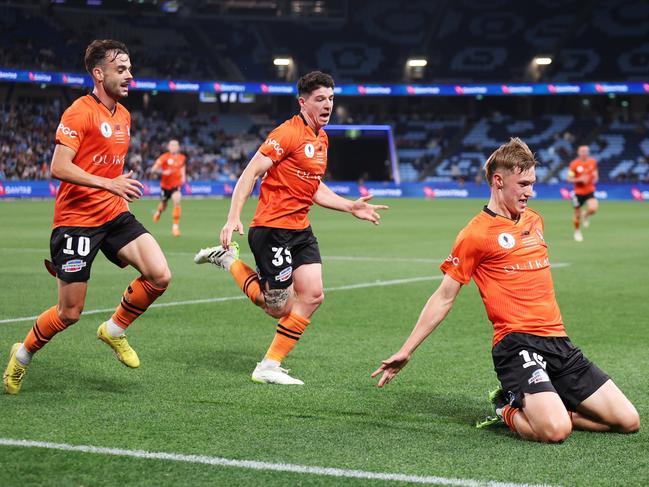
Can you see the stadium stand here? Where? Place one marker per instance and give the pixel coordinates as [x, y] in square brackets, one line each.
[365, 41]
[369, 41]
[553, 138]
[428, 148]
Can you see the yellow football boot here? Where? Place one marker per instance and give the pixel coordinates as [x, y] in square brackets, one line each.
[14, 373]
[120, 346]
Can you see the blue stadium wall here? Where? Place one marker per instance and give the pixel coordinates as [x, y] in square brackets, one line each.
[621, 191]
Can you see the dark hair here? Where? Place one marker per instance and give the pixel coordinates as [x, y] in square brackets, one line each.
[98, 49]
[312, 81]
[514, 155]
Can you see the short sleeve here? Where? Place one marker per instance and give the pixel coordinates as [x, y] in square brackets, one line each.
[463, 259]
[71, 129]
[279, 143]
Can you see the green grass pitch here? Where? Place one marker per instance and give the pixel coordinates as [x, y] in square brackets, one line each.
[193, 394]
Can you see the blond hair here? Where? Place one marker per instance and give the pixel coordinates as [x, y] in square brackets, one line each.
[514, 155]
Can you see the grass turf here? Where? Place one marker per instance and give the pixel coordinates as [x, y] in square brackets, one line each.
[193, 395]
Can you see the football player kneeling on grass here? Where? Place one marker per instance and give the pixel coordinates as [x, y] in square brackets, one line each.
[548, 388]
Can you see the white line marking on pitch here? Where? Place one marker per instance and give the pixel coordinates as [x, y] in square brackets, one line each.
[361, 285]
[257, 465]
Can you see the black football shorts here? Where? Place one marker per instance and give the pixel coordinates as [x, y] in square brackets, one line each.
[529, 364]
[73, 249]
[279, 251]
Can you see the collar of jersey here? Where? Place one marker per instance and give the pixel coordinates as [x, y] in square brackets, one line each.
[99, 102]
[494, 215]
[307, 125]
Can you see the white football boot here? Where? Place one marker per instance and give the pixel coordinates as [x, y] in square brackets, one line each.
[578, 236]
[274, 375]
[218, 255]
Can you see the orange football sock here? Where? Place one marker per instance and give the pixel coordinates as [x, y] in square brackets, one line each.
[136, 299]
[508, 416]
[576, 222]
[47, 325]
[176, 214]
[289, 331]
[247, 280]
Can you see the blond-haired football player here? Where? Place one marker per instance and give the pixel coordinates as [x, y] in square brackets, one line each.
[548, 386]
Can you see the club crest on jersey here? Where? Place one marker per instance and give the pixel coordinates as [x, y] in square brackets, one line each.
[309, 150]
[106, 130]
[506, 240]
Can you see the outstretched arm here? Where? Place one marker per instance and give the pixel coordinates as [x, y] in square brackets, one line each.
[64, 169]
[360, 208]
[434, 312]
[256, 168]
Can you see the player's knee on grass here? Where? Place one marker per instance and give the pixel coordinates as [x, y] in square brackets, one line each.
[627, 422]
[553, 429]
[276, 300]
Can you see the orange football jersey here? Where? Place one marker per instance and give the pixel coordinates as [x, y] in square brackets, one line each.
[171, 166]
[100, 139]
[580, 168]
[299, 163]
[509, 263]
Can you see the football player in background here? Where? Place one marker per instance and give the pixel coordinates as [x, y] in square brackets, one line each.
[583, 173]
[548, 387]
[171, 167]
[288, 281]
[91, 213]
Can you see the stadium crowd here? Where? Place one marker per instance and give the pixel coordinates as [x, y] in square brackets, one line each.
[428, 148]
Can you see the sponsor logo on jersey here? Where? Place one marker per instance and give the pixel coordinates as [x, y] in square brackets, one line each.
[308, 175]
[453, 260]
[530, 265]
[275, 145]
[506, 240]
[67, 131]
[106, 129]
[73, 265]
[103, 159]
[309, 150]
[285, 274]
